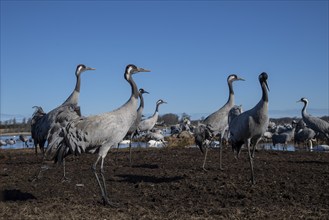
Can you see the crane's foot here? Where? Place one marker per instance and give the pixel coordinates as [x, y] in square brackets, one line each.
[107, 201]
[65, 179]
[253, 182]
[33, 178]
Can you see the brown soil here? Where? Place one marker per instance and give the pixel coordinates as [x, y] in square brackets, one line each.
[168, 184]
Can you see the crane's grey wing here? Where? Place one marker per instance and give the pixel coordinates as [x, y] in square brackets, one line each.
[218, 120]
[202, 136]
[318, 124]
[65, 118]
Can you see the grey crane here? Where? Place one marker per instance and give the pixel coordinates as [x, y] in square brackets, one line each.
[147, 124]
[248, 127]
[97, 133]
[35, 127]
[42, 122]
[218, 121]
[303, 134]
[24, 140]
[284, 137]
[315, 123]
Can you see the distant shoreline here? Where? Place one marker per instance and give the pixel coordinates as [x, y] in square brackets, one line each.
[15, 133]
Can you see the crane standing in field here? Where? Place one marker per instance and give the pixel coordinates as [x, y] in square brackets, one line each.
[218, 121]
[248, 127]
[42, 122]
[98, 133]
[147, 124]
[316, 124]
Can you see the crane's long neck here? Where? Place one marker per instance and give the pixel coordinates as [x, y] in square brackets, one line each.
[230, 100]
[264, 93]
[74, 97]
[141, 105]
[134, 89]
[304, 109]
[157, 108]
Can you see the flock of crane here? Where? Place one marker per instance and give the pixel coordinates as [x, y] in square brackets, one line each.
[68, 132]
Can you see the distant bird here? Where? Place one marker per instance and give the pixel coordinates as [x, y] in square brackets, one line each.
[3, 143]
[11, 141]
[42, 122]
[157, 136]
[248, 127]
[304, 135]
[24, 139]
[218, 121]
[284, 137]
[147, 124]
[98, 133]
[235, 111]
[316, 124]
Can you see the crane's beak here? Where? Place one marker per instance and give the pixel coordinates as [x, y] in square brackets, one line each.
[242, 79]
[146, 92]
[89, 68]
[143, 70]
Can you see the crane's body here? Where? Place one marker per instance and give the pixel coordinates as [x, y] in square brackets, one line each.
[217, 122]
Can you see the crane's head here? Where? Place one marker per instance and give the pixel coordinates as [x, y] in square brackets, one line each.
[305, 100]
[263, 79]
[81, 68]
[160, 101]
[142, 91]
[234, 77]
[132, 69]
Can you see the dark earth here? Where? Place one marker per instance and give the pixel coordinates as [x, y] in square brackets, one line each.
[168, 183]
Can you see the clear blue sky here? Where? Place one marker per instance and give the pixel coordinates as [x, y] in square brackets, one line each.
[190, 46]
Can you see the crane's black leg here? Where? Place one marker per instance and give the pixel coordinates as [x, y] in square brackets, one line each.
[102, 185]
[254, 148]
[97, 178]
[204, 160]
[131, 140]
[220, 156]
[64, 179]
[251, 162]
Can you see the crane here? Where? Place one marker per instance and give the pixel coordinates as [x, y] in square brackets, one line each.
[147, 124]
[218, 121]
[248, 127]
[315, 123]
[97, 133]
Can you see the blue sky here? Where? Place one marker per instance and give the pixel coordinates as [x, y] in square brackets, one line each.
[190, 46]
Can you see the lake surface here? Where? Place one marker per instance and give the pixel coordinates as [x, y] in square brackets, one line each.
[266, 146]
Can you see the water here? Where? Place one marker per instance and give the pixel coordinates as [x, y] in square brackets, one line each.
[278, 147]
[18, 145]
[266, 146]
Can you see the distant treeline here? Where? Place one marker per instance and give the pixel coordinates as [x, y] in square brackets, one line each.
[12, 126]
